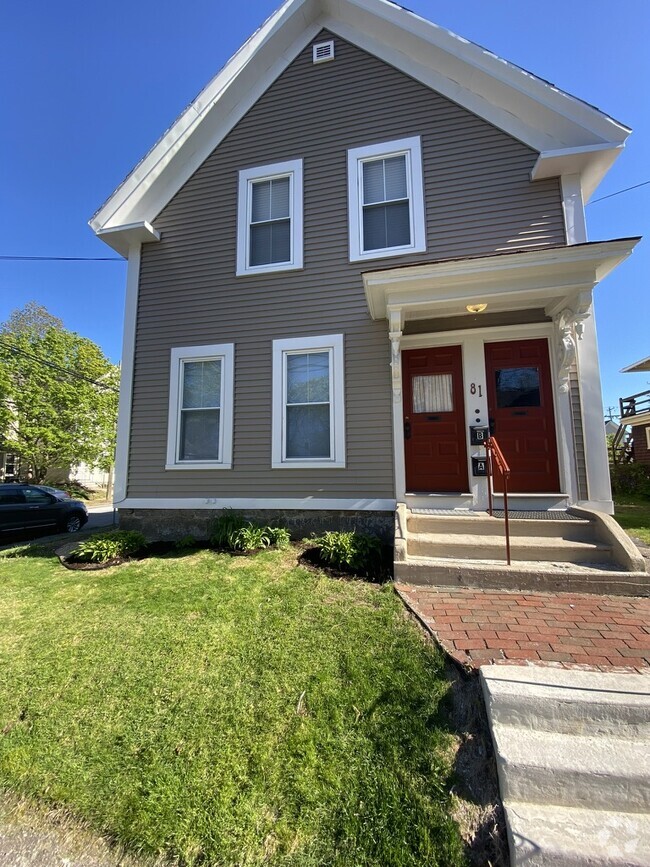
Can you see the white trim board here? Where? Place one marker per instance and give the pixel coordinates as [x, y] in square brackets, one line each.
[539, 114]
[304, 503]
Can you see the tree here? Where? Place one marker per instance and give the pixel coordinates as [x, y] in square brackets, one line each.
[58, 394]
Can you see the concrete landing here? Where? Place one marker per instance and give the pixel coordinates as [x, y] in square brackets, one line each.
[573, 759]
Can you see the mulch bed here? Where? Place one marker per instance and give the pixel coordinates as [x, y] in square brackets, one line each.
[311, 559]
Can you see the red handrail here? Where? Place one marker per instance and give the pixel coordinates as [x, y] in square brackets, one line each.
[495, 457]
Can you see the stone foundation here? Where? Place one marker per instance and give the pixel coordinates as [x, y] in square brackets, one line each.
[172, 524]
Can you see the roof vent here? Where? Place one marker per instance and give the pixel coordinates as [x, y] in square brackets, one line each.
[323, 51]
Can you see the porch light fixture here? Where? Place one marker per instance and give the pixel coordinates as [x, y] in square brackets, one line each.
[475, 308]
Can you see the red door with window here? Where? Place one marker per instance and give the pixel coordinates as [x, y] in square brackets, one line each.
[522, 419]
[434, 420]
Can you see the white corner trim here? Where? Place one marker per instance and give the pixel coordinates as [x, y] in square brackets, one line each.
[293, 169]
[126, 375]
[303, 503]
[225, 352]
[333, 344]
[575, 225]
[412, 149]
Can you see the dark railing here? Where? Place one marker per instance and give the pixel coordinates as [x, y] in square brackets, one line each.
[496, 459]
[622, 445]
[635, 404]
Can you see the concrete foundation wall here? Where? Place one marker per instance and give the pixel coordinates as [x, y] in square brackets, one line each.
[171, 524]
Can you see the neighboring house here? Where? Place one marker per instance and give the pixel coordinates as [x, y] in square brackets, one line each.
[632, 440]
[365, 237]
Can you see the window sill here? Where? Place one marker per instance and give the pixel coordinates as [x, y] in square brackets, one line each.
[198, 466]
[308, 465]
[268, 269]
[384, 254]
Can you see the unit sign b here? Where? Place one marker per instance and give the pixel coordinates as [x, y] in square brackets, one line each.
[478, 435]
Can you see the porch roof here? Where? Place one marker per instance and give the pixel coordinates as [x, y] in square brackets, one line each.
[552, 278]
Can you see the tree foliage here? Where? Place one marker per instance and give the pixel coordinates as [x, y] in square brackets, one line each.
[58, 394]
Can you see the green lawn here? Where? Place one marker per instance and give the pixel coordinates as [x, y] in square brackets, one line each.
[226, 711]
[633, 514]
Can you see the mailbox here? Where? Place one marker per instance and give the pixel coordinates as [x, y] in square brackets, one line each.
[478, 435]
[479, 465]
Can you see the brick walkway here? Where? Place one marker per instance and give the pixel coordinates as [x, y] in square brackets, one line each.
[480, 626]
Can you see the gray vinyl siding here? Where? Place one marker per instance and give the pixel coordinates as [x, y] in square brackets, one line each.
[578, 432]
[479, 200]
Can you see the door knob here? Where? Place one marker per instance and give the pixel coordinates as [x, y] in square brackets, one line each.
[407, 430]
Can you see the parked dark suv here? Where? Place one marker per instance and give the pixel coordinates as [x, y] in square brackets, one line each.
[30, 507]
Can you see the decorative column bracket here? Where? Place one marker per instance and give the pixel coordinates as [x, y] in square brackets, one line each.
[570, 327]
[395, 336]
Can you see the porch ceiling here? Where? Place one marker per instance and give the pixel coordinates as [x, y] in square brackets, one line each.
[553, 278]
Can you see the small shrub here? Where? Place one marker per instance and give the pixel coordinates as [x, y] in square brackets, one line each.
[352, 551]
[279, 536]
[108, 546]
[250, 538]
[225, 528]
[632, 479]
[76, 490]
[187, 543]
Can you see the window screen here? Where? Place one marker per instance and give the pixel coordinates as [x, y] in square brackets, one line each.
[200, 410]
[386, 208]
[308, 405]
[270, 229]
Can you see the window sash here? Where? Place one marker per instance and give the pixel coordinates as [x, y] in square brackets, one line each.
[181, 410]
[288, 219]
[286, 403]
[384, 203]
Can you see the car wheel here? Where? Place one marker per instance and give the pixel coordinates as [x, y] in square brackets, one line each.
[73, 524]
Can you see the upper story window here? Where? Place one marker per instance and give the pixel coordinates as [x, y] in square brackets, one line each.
[308, 402]
[201, 407]
[385, 199]
[269, 218]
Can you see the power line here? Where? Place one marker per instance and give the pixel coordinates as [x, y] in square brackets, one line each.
[51, 364]
[62, 258]
[618, 192]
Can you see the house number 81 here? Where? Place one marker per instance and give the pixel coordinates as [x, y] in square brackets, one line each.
[474, 388]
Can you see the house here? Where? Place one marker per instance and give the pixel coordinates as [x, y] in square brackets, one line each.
[632, 439]
[362, 245]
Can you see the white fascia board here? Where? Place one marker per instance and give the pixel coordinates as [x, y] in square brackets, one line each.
[558, 269]
[302, 503]
[528, 108]
[642, 418]
[638, 366]
[122, 238]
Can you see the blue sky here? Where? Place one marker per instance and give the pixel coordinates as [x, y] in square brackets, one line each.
[89, 88]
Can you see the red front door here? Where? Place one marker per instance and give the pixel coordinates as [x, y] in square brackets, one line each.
[434, 420]
[520, 406]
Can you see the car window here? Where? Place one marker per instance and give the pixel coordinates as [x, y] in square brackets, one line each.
[33, 496]
[10, 498]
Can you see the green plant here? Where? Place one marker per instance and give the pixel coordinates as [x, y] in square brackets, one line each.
[225, 528]
[251, 537]
[357, 552]
[108, 546]
[279, 536]
[186, 543]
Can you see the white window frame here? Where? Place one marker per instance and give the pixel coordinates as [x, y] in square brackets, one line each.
[333, 344]
[225, 352]
[647, 436]
[247, 177]
[411, 148]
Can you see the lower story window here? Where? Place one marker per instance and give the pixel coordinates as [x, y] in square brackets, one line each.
[200, 407]
[308, 402]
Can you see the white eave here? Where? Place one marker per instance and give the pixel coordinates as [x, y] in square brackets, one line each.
[551, 279]
[566, 131]
[638, 366]
[120, 238]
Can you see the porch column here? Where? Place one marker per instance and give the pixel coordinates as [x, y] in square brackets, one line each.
[600, 491]
[395, 336]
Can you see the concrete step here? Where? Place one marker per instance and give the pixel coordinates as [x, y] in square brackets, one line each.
[571, 702]
[473, 545]
[551, 836]
[605, 579]
[594, 772]
[483, 525]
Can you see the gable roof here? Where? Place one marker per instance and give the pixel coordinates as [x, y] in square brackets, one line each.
[571, 136]
[638, 366]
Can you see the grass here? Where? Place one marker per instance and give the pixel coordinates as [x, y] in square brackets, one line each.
[633, 514]
[226, 711]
